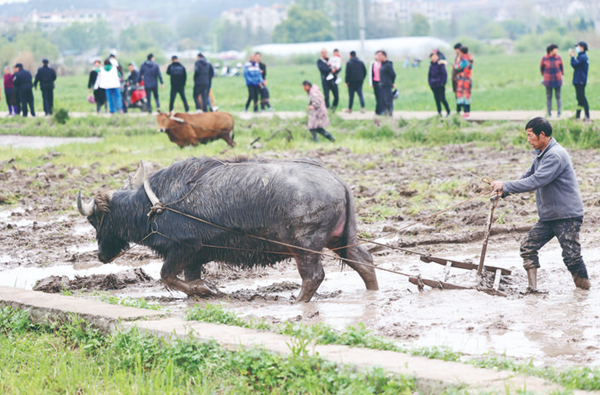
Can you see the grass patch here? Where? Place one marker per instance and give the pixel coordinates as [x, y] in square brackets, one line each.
[581, 378]
[75, 358]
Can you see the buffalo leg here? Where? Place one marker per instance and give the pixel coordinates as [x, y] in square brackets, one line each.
[312, 274]
[367, 273]
[177, 262]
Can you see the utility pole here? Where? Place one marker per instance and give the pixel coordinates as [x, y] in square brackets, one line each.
[361, 26]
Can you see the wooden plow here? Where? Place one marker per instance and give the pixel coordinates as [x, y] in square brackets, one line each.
[481, 267]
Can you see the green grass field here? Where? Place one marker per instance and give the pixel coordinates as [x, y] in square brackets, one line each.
[500, 82]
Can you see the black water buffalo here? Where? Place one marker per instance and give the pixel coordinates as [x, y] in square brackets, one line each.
[296, 202]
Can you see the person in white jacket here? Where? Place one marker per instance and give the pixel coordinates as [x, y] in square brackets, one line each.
[109, 80]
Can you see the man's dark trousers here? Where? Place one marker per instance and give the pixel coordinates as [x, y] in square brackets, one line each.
[202, 91]
[387, 100]
[26, 96]
[48, 96]
[377, 92]
[352, 88]
[149, 92]
[174, 91]
[331, 86]
[567, 233]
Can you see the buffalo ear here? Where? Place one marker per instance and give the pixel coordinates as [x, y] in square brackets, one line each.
[102, 199]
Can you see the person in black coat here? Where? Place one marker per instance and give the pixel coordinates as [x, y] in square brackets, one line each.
[99, 94]
[178, 78]
[23, 85]
[356, 73]
[387, 78]
[203, 75]
[437, 81]
[45, 77]
[329, 85]
[264, 91]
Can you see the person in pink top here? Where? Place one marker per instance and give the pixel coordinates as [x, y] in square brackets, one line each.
[374, 78]
[9, 92]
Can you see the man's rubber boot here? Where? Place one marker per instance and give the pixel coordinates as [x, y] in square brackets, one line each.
[581, 282]
[532, 278]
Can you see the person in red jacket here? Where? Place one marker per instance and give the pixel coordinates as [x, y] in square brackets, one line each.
[552, 70]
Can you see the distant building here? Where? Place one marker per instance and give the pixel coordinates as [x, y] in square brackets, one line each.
[402, 11]
[257, 17]
[118, 19]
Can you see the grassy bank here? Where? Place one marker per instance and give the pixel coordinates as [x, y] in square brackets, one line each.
[500, 82]
[74, 358]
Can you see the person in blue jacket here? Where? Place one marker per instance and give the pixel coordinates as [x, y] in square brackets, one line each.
[580, 65]
[254, 81]
[150, 74]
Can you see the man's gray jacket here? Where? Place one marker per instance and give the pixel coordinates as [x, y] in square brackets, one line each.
[553, 178]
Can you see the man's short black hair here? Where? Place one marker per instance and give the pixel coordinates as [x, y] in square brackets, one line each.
[551, 48]
[336, 50]
[464, 49]
[150, 56]
[130, 64]
[173, 57]
[352, 54]
[539, 125]
[457, 46]
[257, 53]
[381, 51]
[306, 83]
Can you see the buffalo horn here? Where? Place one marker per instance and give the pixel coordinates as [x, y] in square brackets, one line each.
[86, 209]
[139, 176]
[153, 199]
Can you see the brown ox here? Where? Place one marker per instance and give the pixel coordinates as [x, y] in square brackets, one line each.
[191, 129]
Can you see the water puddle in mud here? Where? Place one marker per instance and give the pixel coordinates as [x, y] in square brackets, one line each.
[558, 326]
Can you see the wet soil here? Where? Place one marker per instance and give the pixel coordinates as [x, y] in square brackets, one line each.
[42, 235]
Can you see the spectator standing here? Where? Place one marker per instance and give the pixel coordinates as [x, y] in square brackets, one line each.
[178, 78]
[22, 82]
[109, 80]
[254, 81]
[9, 92]
[356, 73]
[437, 81]
[552, 71]
[387, 77]
[99, 93]
[464, 81]
[329, 85]
[374, 79]
[16, 90]
[150, 74]
[318, 118]
[46, 76]
[264, 91]
[457, 54]
[203, 74]
[580, 66]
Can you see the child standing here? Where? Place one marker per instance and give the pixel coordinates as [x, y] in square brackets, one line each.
[437, 81]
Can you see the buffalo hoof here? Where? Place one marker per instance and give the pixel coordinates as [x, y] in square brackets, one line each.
[580, 282]
[202, 288]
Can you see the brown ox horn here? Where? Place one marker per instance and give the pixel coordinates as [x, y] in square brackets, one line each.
[85, 209]
[153, 199]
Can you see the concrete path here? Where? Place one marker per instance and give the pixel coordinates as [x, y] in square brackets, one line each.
[476, 116]
[432, 376]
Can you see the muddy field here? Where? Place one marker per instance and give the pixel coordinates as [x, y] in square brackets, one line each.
[42, 235]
